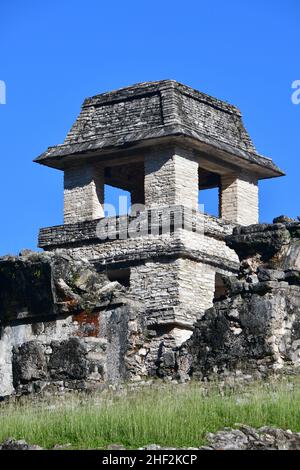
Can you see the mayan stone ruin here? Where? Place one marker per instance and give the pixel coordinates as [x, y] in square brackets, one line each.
[166, 290]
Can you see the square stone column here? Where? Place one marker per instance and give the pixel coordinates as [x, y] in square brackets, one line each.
[138, 194]
[171, 177]
[239, 198]
[83, 193]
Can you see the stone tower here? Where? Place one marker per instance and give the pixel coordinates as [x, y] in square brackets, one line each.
[163, 142]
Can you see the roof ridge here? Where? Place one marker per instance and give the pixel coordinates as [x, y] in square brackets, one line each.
[156, 85]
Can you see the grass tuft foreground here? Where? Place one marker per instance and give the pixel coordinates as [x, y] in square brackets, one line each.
[168, 415]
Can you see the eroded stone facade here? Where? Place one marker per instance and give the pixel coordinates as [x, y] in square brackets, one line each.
[254, 330]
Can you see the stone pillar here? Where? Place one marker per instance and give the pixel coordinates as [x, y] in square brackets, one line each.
[83, 193]
[239, 198]
[138, 194]
[171, 177]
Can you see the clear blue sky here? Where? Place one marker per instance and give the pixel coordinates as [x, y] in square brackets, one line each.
[56, 53]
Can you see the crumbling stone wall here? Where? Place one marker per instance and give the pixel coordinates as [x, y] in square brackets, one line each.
[78, 330]
[63, 325]
[255, 329]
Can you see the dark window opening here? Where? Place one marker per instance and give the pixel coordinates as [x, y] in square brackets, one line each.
[220, 288]
[120, 275]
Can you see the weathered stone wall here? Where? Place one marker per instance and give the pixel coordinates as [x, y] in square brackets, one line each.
[77, 331]
[162, 220]
[83, 351]
[255, 329]
[174, 291]
[168, 271]
[155, 282]
[63, 325]
[196, 287]
[210, 247]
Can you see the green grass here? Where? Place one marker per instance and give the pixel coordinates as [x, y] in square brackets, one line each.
[177, 415]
